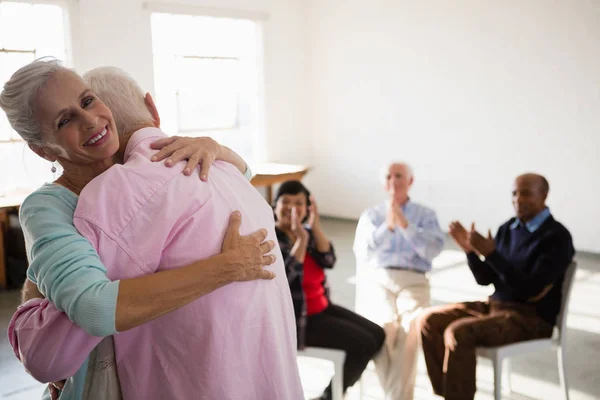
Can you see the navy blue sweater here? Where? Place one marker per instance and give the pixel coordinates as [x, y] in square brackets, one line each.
[524, 263]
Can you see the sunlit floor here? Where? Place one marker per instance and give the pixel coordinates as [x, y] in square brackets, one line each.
[534, 376]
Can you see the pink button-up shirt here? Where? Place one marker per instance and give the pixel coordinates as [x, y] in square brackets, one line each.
[238, 342]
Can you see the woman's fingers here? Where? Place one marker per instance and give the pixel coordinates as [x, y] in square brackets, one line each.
[167, 150]
[178, 155]
[268, 260]
[295, 222]
[207, 162]
[191, 164]
[174, 153]
[160, 143]
[233, 230]
[198, 151]
[259, 236]
[267, 275]
[250, 251]
[267, 246]
[313, 204]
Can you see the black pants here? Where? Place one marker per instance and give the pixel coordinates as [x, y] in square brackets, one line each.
[342, 329]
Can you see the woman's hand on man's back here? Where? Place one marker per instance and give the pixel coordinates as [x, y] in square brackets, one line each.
[247, 255]
[201, 151]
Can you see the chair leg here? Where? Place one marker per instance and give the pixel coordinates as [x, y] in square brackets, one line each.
[497, 378]
[509, 374]
[337, 383]
[562, 371]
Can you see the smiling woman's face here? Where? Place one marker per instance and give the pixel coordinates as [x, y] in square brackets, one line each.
[75, 125]
[285, 204]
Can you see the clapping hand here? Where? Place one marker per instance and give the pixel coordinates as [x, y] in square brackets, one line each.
[395, 217]
[460, 236]
[297, 228]
[314, 220]
[483, 245]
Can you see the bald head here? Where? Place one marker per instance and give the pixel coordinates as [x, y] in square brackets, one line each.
[529, 195]
[535, 180]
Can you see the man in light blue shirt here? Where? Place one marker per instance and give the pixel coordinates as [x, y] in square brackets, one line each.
[395, 243]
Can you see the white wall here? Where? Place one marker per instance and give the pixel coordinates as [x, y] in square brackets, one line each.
[118, 32]
[471, 93]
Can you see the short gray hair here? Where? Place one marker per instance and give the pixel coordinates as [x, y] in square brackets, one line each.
[122, 95]
[19, 94]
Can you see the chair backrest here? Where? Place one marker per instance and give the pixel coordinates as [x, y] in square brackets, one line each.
[561, 319]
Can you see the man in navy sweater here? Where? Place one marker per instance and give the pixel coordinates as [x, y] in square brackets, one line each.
[526, 263]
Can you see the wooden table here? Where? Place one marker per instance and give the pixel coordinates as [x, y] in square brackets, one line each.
[8, 202]
[271, 173]
[264, 175]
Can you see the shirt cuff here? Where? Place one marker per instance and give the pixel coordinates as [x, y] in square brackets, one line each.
[99, 311]
[248, 174]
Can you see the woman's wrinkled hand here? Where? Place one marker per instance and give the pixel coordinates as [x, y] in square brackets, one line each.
[201, 151]
[247, 255]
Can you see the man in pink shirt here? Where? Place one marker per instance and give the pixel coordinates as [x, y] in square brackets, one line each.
[238, 342]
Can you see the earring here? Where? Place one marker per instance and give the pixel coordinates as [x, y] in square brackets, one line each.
[53, 169]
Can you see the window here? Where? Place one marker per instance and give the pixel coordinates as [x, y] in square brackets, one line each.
[27, 31]
[207, 79]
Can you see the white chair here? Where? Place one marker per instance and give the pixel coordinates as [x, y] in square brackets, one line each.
[557, 342]
[337, 357]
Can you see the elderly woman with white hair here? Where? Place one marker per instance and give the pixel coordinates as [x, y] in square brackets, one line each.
[63, 121]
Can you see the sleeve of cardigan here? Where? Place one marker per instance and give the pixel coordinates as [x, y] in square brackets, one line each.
[326, 260]
[65, 266]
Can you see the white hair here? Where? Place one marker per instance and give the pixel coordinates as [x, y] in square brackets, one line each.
[20, 92]
[385, 170]
[122, 95]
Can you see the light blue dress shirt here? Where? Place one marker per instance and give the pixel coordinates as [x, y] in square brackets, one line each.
[533, 224]
[413, 247]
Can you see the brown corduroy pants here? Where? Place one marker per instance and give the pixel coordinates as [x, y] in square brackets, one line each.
[451, 333]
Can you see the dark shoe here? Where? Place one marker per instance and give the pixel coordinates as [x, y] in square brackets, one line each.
[324, 396]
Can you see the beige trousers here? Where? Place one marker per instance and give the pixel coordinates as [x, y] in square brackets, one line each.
[393, 298]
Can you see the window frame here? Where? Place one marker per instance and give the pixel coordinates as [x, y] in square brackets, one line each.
[66, 6]
[259, 140]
